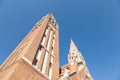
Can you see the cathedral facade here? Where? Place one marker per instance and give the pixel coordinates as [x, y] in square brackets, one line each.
[37, 57]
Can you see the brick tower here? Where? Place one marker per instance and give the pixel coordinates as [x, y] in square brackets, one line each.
[37, 56]
[76, 68]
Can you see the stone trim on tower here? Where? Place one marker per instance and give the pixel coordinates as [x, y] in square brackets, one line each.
[40, 49]
[37, 56]
[76, 68]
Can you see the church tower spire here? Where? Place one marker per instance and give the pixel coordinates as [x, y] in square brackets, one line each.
[37, 56]
[76, 68]
[74, 54]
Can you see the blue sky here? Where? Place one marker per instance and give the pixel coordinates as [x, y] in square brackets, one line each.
[94, 26]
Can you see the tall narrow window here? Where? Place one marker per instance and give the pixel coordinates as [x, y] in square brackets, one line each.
[51, 59]
[53, 43]
[45, 62]
[46, 31]
[38, 54]
[43, 41]
[50, 73]
[49, 40]
[34, 62]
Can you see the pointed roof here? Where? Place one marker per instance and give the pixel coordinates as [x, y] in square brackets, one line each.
[73, 48]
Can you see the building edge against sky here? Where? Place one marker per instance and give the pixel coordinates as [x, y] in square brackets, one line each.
[37, 57]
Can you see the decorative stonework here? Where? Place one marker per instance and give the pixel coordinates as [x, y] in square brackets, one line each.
[74, 54]
[37, 57]
[76, 66]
